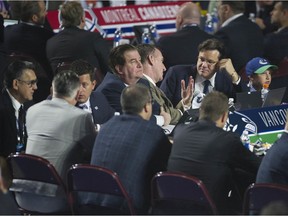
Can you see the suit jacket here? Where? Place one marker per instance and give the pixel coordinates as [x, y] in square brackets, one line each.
[65, 138]
[73, 43]
[135, 149]
[159, 96]
[212, 158]
[112, 87]
[101, 110]
[30, 40]
[171, 85]
[276, 46]
[8, 129]
[273, 168]
[243, 41]
[183, 42]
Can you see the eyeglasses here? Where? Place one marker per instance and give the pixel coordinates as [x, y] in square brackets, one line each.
[208, 62]
[29, 83]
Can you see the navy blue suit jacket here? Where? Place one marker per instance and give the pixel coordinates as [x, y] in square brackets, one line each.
[243, 41]
[274, 165]
[101, 110]
[112, 87]
[135, 149]
[171, 85]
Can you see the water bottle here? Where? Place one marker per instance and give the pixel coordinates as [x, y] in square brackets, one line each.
[146, 37]
[117, 37]
[215, 19]
[209, 28]
[245, 139]
[264, 91]
[252, 17]
[154, 33]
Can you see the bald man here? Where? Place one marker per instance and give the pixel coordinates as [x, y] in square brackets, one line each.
[185, 41]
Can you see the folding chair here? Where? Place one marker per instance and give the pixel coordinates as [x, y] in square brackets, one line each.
[259, 195]
[84, 179]
[37, 187]
[176, 193]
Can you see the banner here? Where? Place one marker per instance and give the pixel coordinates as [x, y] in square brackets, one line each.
[263, 123]
[106, 20]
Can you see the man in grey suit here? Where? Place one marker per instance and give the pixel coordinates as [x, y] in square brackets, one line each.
[58, 131]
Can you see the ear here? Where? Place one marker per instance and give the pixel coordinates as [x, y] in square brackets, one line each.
[151, 59]
[224, 117]
[145, 108]
[15, 84]
[34, 18]
[118, 68]
[94, 83]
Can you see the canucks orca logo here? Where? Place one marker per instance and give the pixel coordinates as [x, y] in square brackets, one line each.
[238, 122]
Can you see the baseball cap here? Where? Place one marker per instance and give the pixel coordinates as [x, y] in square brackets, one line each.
[258, 66]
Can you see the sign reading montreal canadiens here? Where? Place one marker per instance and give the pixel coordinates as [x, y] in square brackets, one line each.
[106, 20]
[265, 122]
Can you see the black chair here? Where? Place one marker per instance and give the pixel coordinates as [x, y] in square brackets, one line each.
[176, 193]
[85, 179]
[37, 187]
[259, 195]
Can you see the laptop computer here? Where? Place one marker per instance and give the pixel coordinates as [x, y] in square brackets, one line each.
[248, 100]
[274, 97]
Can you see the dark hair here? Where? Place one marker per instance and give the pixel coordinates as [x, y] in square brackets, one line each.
[65, 84]
[212, 44]
[24, 10]
[15, 70]
[134, 97]
[236, 6]
[116, 56]
[213, 106]
[71, 13]
[82, 67]
[145, 50]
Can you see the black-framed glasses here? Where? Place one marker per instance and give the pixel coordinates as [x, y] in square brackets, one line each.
[29, 83]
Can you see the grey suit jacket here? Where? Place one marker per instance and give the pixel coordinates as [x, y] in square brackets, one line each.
[60, 133]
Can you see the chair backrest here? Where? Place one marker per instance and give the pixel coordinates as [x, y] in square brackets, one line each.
[260, 195]
[177, 193]
[95, 179]
[35, 170]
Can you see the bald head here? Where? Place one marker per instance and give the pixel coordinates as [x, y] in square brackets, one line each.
[188, 13]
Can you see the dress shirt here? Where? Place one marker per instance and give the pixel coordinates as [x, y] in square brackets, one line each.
[15, 103]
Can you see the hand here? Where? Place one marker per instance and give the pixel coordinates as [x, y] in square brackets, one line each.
[166, 116]
[187, 93]
[260, 23]
[4, 14]
[227, 65]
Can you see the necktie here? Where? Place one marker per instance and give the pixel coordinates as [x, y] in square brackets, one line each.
[21, 130]
[82, 106]
[206, 86]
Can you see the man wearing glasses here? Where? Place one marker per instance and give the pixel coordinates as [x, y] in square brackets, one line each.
[212, 72]
[20, 83]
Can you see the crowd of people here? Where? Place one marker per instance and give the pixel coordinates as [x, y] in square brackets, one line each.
[71, 98]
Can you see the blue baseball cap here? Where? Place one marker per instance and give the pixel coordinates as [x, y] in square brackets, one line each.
[258, 66]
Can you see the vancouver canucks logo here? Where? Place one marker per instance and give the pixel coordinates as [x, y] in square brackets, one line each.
[263, 62]
[238, 122]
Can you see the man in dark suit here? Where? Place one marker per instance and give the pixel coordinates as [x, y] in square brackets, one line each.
[89, 100]
[204, 150]
[185, 41]
[20, 84]
[273, 168]
[74, 42]
[242, 38]
[211, 66]
[276, 44]
[28, 38]
[132, 146]
[125, 63]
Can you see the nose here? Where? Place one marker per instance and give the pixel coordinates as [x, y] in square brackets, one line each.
[35, 86]
[139, 64]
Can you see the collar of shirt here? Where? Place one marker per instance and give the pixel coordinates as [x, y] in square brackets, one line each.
[15, 103]
[87, 103]
[231, 19]
[149, 79]
[199, 82]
